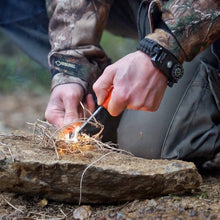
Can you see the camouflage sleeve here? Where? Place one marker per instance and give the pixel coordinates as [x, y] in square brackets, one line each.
[75, 30]
[194, 26]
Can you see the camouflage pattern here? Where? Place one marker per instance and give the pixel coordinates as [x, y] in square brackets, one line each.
[76, 27]
[75, 30]
[194, 23]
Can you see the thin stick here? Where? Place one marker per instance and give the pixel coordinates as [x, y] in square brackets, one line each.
[12, 157]
[62, 212]
[11, 204]
[55, 148]
[3, 144]
[84, 113]
[43, 215]
[3, 152]
[81, 180]
[110, 146]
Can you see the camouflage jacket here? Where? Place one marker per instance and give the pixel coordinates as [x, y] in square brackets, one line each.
[76, 28]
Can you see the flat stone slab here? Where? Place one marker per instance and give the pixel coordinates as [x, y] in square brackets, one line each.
[94, 176]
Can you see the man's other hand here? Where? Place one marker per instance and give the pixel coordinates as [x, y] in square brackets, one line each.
[64, 104]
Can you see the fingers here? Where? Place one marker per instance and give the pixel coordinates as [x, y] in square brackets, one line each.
[90, 104]
[54, 116]
[103, 85]
[118, 102]
[71, 106]
[150, 103]
[54, 113]
[138, 85]
[148, 98]
[63, 104]
[102, 88]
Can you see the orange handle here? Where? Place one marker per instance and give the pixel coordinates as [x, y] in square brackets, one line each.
[105, 104]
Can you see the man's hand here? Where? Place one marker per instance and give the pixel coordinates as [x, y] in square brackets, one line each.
[138, 85]
[64, 104]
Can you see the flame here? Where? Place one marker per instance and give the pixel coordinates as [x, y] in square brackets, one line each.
[77, 143]
[66, 132]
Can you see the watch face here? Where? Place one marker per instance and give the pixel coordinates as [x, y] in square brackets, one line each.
[177, 71]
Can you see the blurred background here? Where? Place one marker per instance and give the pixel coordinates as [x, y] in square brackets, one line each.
[25, 85]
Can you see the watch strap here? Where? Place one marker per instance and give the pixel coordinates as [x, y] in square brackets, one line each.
[149, 46]
[162, 59]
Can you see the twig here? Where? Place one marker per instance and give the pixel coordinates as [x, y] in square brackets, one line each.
[12, 157]
[3, 134]
[110, 146]
[43, 216]
[84, 112]
[3, 152]
[3, 144]
[11, 204]
[91, 164]
[62, 212]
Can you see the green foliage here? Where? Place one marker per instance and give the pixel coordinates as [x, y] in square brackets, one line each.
[202, 195]
[117, 47]
[18, 71]
[175, 197]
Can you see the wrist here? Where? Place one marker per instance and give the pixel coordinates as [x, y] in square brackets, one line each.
[162, 59]
[168, 41]
[60, 79]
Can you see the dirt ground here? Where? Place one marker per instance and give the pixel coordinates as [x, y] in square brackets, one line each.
[204, 203]
[18, 108]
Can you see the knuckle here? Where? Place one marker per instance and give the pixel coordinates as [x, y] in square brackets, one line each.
[152, 108]
[122, 97]
[70, 114]
[136, 103]
[108, 68]
[72, 96]
[134, 106]
[96, 87]
[50, 117]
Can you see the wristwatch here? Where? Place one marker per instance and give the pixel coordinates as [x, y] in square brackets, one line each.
[162, 59]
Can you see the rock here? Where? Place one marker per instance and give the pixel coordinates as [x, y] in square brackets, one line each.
[82, 212]
[212, 166]
[42, 203]
[31, 169]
